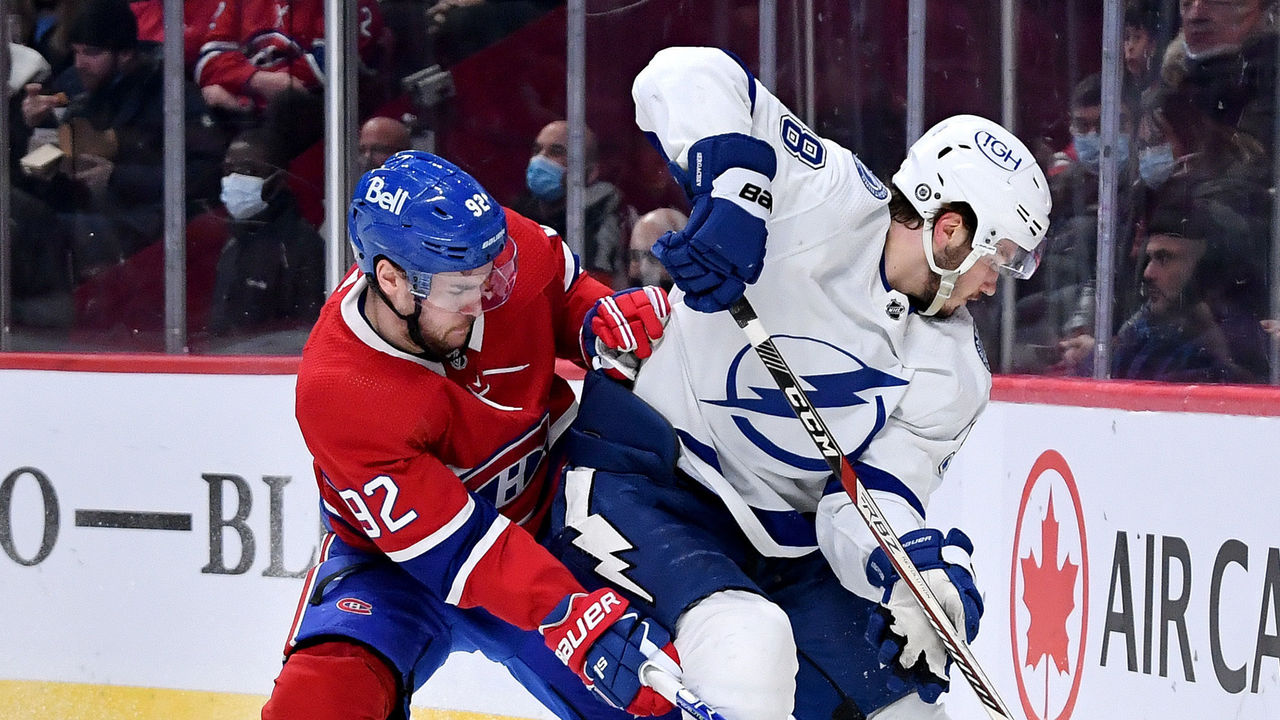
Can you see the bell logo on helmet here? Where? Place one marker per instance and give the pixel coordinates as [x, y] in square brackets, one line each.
[391, 202]
[997, 151]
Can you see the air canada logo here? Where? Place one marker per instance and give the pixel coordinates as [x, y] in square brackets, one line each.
[1049, 591]
[845, 391]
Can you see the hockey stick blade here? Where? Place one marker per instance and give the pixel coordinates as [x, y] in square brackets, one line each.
[670, 687]
[789, 384]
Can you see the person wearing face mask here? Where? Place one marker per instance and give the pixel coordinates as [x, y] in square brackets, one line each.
[544, 201]
[1050, 305]
[270, 275]
[1225, 55]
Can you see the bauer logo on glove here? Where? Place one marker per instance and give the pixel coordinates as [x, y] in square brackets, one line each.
[606, 643]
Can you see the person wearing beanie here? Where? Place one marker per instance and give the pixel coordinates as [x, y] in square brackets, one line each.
[108, 189]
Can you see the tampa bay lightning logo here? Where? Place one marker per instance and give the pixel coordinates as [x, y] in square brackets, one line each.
[872, 183]
[764, 417]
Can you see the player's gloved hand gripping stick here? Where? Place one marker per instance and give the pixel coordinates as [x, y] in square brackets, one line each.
[606, 642]
[895, 554]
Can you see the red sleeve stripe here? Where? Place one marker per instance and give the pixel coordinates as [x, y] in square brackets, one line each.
[454, 525]
[478, 551]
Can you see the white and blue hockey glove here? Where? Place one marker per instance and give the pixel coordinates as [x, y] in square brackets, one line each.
[605, 642]
[621, 330]
[721, 249]
[899, 627]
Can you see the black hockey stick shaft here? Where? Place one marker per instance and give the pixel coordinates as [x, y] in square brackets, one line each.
[745, 315]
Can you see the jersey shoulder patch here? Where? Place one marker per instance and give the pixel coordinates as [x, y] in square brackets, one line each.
[870, 181]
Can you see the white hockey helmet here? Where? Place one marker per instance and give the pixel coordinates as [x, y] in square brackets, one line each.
[969, 159]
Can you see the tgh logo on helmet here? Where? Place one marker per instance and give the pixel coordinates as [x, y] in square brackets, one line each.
[997, 151]
[391, 202]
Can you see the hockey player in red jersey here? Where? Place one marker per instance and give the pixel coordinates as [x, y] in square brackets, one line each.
[428, 397]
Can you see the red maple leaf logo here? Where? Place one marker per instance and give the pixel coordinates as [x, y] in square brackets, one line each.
[1049, 594]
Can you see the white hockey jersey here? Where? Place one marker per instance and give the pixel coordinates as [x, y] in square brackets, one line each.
[898, 390]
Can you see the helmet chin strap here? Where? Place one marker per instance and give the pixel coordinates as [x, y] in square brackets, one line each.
[410, 319]
[947, 284]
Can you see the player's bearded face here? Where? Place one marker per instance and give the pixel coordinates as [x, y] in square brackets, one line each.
[976, 281]
[452, 308]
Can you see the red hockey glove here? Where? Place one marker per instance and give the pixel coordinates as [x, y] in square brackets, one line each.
[605, 643]
[621, 330]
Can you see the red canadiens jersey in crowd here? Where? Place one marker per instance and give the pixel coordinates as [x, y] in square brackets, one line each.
[244, 37]
[437, 465]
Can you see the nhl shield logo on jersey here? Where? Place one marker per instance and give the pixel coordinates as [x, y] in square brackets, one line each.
[853, 398]
[895, 308]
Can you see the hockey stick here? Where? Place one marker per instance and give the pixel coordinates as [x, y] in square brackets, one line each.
[670, 687]
[789, 384]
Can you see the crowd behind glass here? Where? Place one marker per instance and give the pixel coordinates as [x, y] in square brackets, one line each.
[483, 82]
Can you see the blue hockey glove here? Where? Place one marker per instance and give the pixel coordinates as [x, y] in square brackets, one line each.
[721, 249]
[621, 330]
[899, 627]
[605, 642]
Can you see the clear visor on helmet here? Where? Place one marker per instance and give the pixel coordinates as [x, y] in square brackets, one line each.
[481, 289]
[1010, 258]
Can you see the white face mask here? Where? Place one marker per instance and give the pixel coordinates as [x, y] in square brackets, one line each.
[242, 195]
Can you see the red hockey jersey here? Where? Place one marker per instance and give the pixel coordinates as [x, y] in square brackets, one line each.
[274, 35]
[438, 464]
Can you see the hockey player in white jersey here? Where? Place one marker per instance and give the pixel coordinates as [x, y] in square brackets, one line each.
[781, 600]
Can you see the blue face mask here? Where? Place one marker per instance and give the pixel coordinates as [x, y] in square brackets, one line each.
[1156, 164]
[545, 179]
[1089, 149]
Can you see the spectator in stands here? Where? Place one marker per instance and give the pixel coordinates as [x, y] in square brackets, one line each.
[1202, 319]
[198, 18]
[254, 51]
[1204, 301]
[643, 268]
[1226, 56]
[270, 275]
[380, 138]
[109, 187]
[1141, 48]
[1179, 141]
[1057, 301]
[544, 201]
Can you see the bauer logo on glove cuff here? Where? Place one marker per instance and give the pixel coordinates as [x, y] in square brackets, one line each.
[587, 622]
[756, 194]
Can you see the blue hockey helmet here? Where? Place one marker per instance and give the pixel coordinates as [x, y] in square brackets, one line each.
[427, 216]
